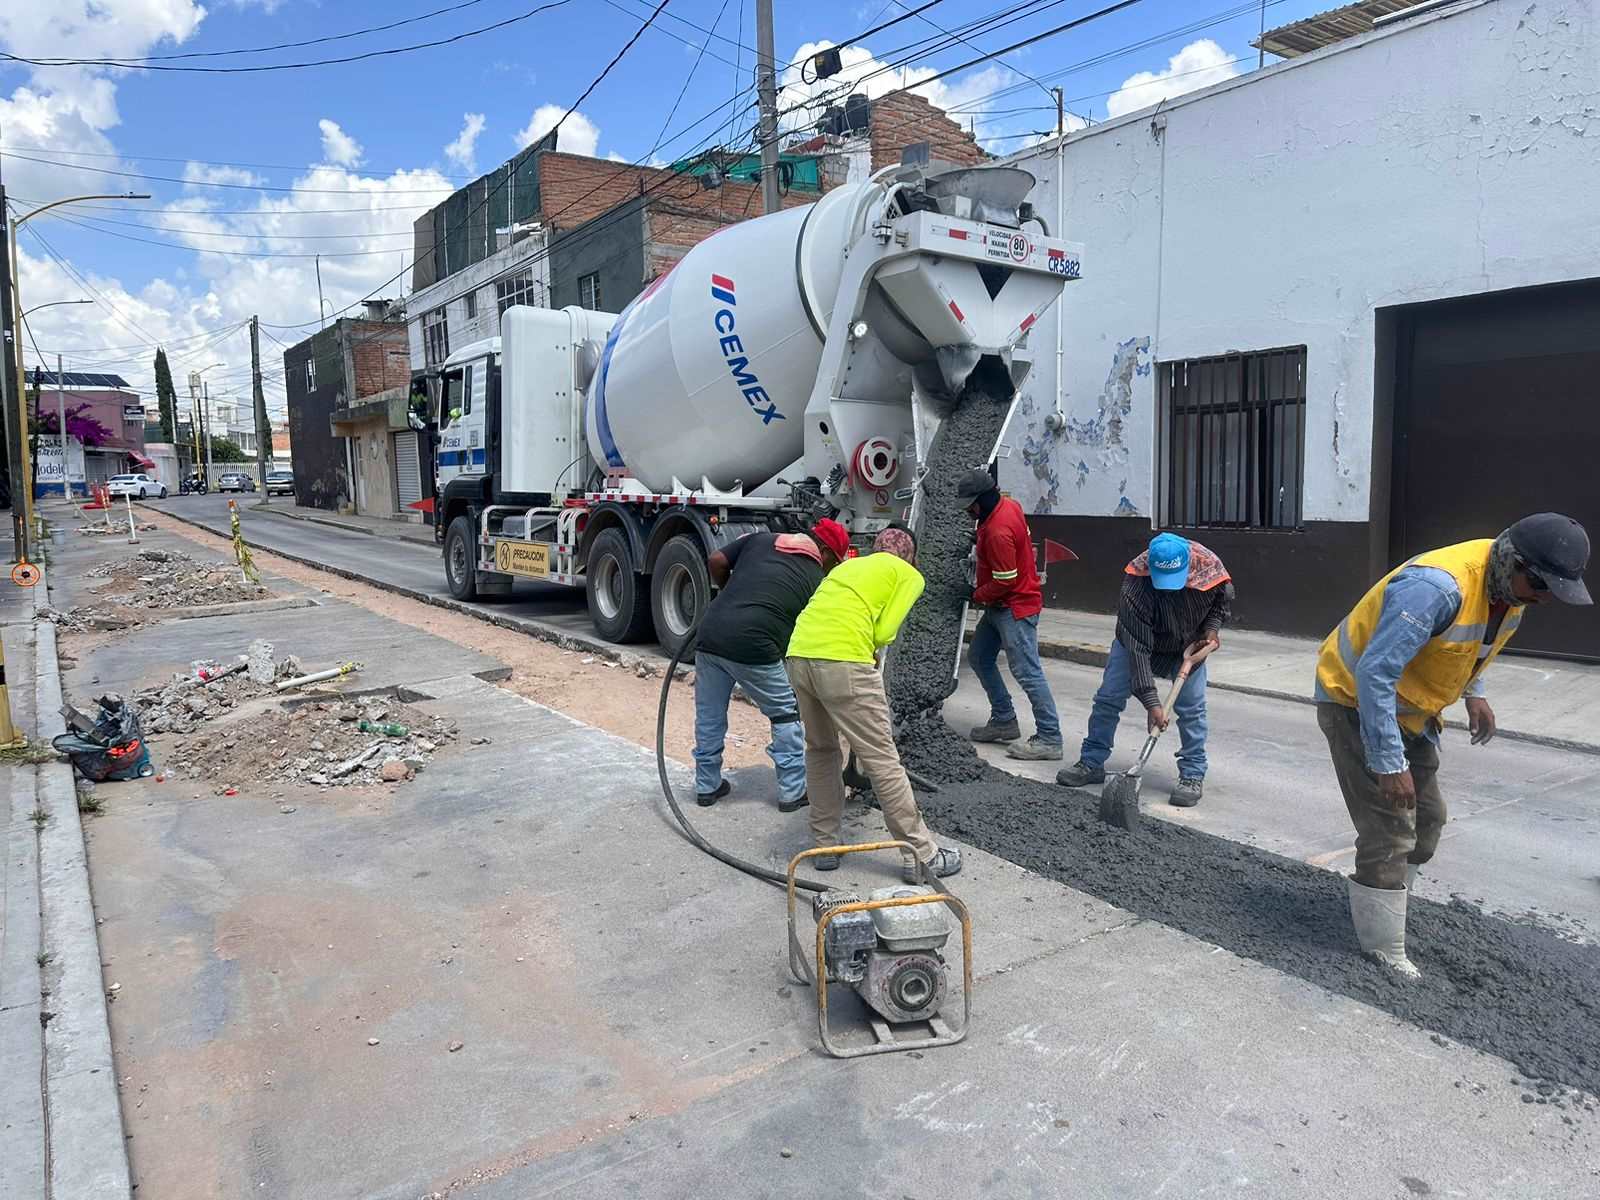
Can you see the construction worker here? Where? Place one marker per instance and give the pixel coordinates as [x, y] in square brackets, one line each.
[1417, 642]
[1176, 597]
[856, 612]
[1007, 590]
[764, 581]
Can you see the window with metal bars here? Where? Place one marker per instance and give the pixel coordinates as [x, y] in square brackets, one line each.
[1233, 429]
[515, 289]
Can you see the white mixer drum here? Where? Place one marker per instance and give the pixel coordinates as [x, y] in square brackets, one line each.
[708, 371]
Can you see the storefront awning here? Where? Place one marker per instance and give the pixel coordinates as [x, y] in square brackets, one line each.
[140, 461]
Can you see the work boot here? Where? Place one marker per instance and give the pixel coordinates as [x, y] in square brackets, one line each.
[707, 799]
[825, 862]
[1186, 794]
[1080, 774]
[946, 860]
[1379, 915]
[997, 731]
[1035, 750]
[799, 802]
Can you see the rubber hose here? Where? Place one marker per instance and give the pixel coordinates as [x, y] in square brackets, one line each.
[694, 836]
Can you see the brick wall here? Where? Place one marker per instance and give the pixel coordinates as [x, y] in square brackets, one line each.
[903, 119]
[379, 357]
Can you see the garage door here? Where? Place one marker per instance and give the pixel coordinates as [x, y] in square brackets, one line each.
[407, 468]
[1497, 415]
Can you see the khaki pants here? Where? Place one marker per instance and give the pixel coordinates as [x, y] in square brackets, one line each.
[1386, 839]
[846, 699]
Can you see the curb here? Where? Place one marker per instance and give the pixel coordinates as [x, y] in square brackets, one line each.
[561, 638]
[88, 1156]
[333, 524]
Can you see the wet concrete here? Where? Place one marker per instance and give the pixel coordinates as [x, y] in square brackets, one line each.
[1516, 991]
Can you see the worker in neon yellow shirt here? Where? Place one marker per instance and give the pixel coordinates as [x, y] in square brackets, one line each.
[854, 613]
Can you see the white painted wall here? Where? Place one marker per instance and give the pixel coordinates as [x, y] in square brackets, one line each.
[1455, 153]
[479, 280]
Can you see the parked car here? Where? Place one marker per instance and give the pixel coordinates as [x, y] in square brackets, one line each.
[138, 486]
[280, 482]
[235, 481]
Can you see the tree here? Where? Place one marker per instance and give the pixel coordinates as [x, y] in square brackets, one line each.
[225, 451]
[167, 396]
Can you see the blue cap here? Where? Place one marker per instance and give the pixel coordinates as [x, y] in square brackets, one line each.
[1169, 562]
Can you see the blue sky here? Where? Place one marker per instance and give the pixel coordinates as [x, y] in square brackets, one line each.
[262, 171]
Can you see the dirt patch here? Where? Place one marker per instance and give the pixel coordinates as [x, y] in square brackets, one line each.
[322, 743]
[598, 693]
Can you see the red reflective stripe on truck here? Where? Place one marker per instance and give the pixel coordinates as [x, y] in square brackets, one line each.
[1027, 323]
[960, 316]
[959, 234]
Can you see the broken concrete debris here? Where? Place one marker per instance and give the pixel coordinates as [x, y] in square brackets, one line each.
[151, 583]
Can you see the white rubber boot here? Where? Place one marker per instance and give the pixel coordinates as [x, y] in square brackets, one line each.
[1412, 871]
[1379, 916]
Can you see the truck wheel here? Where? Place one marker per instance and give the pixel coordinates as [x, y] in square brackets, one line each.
[680, 589]
[619, 600]
[461, 559]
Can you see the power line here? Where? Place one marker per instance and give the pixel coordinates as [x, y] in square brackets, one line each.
[232, 212]
[231, 253]
[209, 162]
[241, 187]
[97, 222]
[386, 52]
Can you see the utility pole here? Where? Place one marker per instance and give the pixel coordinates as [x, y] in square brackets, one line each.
[209, 437]
[194, 418]
[61, 429]
[767, 97]
[263, 425]
[11, 395]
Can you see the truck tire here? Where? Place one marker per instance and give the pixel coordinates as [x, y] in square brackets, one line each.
[619, 598]
[680, 590]
[461, 558]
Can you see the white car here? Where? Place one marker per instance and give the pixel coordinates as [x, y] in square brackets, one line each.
[138, 486]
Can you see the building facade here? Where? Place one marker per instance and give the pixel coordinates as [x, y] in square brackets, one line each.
[105, 428]
[1332, 313]
[329, 371]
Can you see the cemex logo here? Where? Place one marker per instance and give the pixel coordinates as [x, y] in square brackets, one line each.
[722, 290]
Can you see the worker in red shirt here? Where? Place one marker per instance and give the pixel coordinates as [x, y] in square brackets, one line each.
[1008, 592]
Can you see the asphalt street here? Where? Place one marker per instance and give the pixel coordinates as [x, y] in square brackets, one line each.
[1524, 837]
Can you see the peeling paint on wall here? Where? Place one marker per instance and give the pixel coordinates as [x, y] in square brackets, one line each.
[1038, 455]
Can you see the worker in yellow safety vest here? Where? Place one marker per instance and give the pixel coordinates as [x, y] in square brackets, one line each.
[1417, 642]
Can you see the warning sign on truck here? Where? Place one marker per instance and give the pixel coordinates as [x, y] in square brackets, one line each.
[530, 559]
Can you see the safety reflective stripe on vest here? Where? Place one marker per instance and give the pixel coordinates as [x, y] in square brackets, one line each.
[1003, 575]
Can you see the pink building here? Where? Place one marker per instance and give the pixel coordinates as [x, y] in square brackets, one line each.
[104, 399]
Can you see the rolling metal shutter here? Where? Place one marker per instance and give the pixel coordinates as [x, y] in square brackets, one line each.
[407, 468]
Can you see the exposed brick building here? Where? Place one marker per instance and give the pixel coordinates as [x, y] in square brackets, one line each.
[332, 370]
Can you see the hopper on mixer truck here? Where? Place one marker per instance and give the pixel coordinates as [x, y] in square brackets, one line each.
[788, 368]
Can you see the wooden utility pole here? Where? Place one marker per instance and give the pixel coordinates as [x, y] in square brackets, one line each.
[767, 97]
[263, 425]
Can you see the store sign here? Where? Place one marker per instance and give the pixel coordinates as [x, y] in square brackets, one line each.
[133, 412]
[47, 463]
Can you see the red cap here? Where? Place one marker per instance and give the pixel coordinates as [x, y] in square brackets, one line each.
[832, 535]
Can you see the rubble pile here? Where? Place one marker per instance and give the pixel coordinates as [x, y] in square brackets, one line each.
[149, 583]
[316, 742]
[210, 689]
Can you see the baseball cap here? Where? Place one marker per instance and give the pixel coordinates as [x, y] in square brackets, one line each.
[832, 535]
[974, 483]
[1556, 549]
[1169, 562]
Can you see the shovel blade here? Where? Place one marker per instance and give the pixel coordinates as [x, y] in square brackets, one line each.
[1119, 801]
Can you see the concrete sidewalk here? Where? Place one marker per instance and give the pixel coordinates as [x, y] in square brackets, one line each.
[406, 531]
[1537, 699]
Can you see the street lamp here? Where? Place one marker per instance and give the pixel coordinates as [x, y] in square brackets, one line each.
[23, 476]
[61, 400]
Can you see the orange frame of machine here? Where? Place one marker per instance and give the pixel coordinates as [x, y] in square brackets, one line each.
[807, 974]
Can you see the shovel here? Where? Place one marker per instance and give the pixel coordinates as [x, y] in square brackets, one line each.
[1119, 799]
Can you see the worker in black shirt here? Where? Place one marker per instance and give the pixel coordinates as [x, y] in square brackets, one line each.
[765, 579]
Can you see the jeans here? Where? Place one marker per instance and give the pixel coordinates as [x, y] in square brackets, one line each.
[767, 686]
[999, 630]
[1116, 687]
[1387, 839]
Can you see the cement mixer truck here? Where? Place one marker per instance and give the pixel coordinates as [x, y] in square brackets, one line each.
[787, 368]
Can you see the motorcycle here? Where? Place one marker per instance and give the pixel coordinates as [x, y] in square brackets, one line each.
[194, 485]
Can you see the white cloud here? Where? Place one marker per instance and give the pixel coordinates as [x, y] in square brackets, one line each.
[203, 173]
[1198, 65]
[338, 147]
[463, 151]
[578, 135]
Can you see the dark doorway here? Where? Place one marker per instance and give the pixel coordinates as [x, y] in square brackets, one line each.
[1497, 415]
